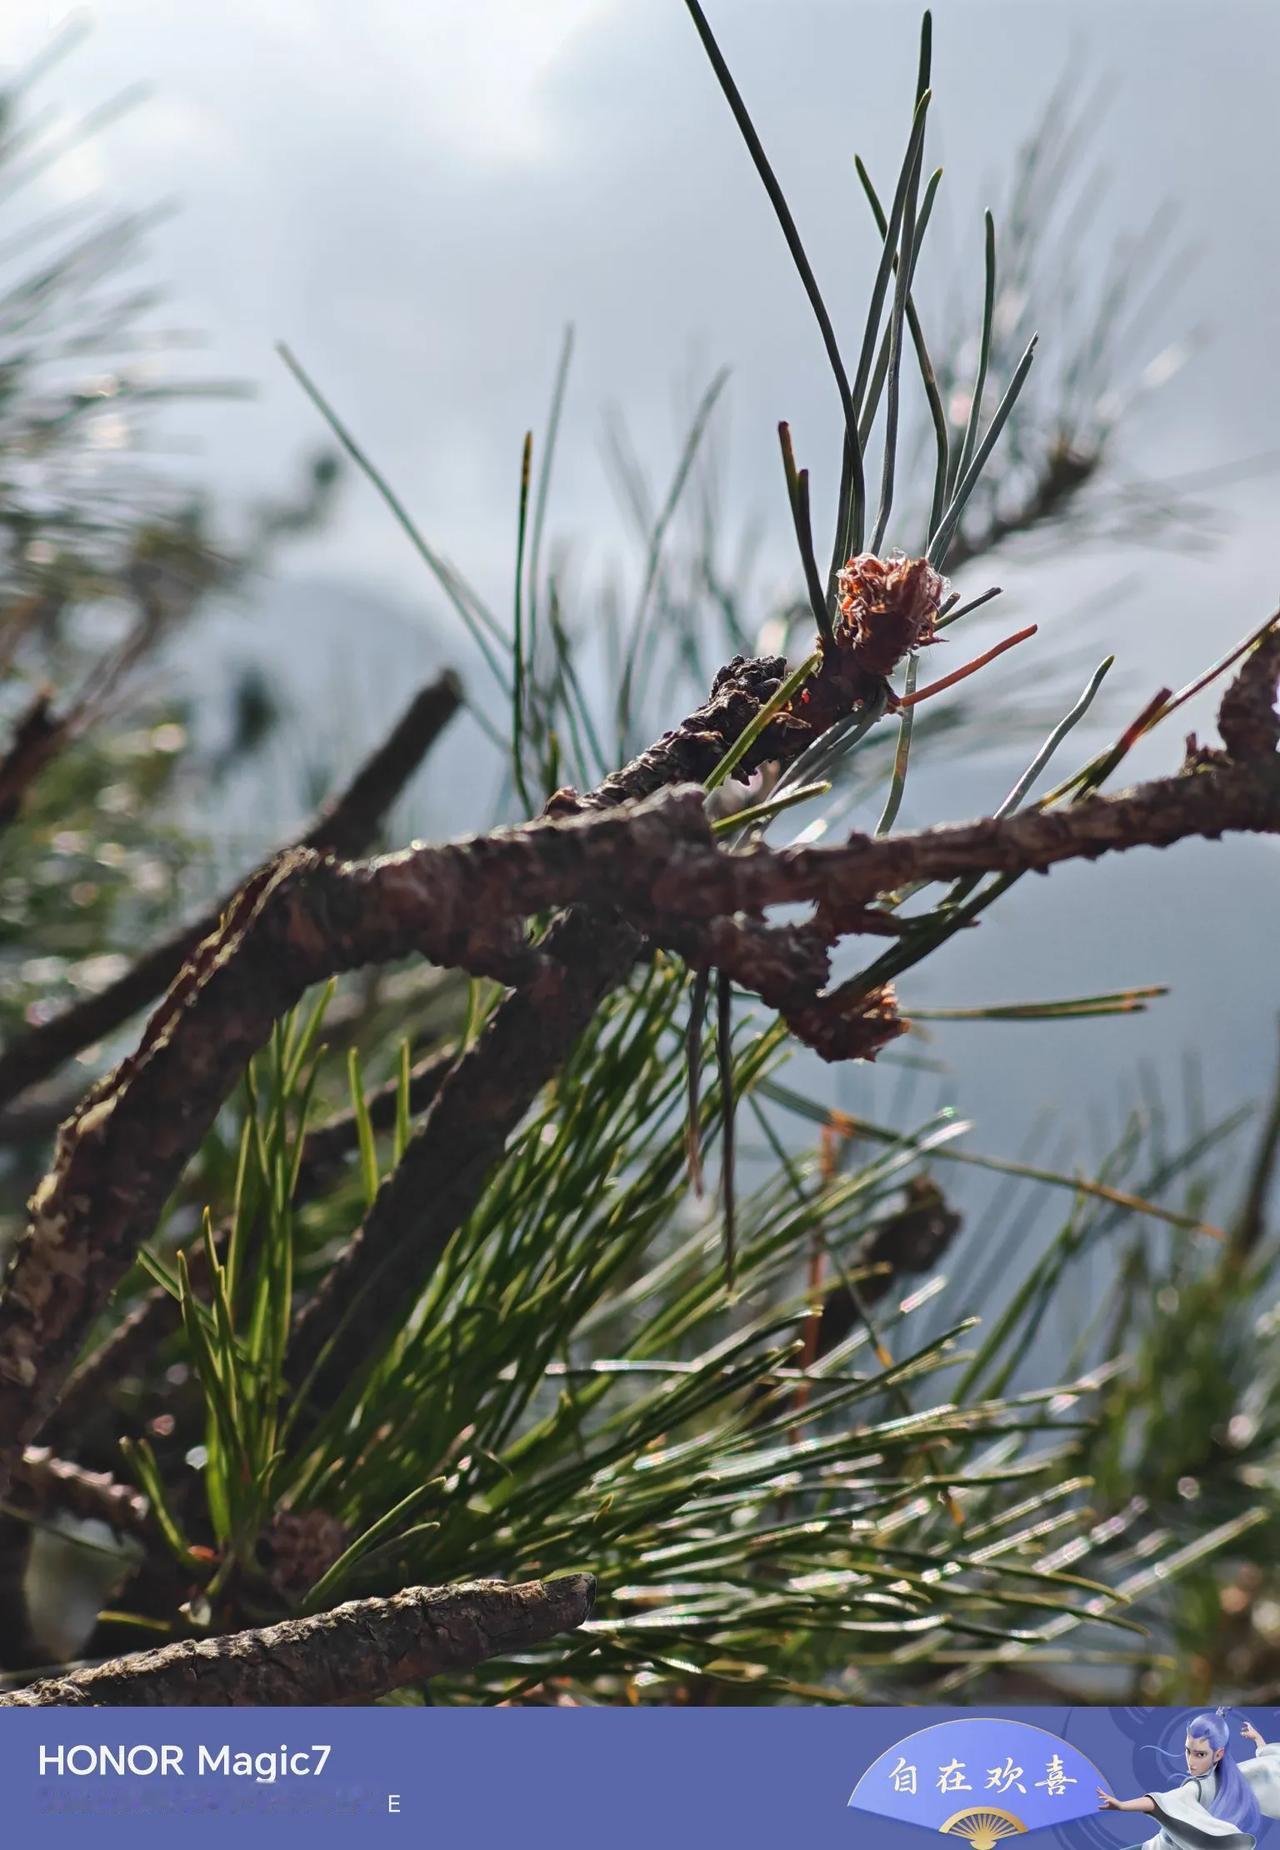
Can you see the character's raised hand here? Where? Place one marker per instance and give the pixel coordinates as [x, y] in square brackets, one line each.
[1251, 1734]
[1108, 1801]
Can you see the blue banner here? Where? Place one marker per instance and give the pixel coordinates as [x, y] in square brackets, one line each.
[859, 1779]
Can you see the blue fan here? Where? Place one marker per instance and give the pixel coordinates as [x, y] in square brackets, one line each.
[980, 1781]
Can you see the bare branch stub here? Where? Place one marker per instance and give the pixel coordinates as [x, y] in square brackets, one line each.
[356, 1652]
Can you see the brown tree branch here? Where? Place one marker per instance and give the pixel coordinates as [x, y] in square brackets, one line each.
[58, 1279]
[41, 733]
[355, 1653]
[656, 860]
[44, 1485]
[344, 827]
[443, 1171]
[1210, 803]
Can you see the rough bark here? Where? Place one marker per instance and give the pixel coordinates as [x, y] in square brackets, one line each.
[442, 1174]
[355, 1653]
[648, 867]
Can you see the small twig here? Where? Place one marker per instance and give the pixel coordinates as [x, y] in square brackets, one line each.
[44, 1485]
[41, 733]
[354, 1653]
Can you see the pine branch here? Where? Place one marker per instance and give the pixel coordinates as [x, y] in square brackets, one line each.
[355, 1653]
[655, 861]
[524, 1045]
[448, 1162]
[343, 827]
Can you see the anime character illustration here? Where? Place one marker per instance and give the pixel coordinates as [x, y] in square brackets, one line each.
[1222, 1802]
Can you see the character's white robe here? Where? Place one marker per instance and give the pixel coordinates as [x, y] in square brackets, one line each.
[1187, 1823]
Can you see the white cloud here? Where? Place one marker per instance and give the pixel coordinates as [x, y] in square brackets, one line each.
[470, 74]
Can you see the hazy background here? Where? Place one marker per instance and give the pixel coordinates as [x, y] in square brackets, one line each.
[418, 198]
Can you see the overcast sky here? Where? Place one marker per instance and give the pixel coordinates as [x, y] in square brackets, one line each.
[418, 195]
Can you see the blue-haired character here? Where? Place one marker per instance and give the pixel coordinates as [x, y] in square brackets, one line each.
[1222, 1802]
